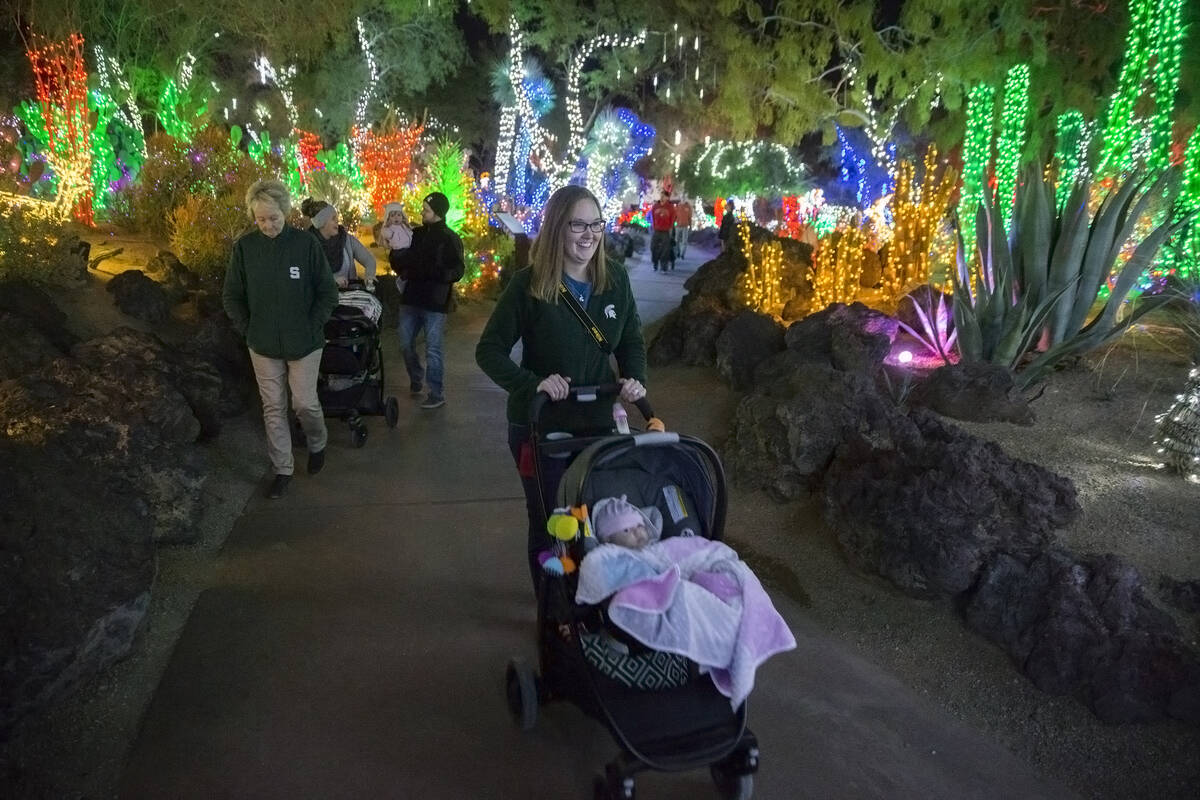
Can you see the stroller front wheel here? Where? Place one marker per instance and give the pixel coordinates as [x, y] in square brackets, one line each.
[520, 685]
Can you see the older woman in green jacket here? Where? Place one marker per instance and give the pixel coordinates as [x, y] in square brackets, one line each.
[279, 292]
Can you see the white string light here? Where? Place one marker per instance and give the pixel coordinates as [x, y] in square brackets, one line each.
[130, 115]
[557, 170]
[360, 109]
[268, 74]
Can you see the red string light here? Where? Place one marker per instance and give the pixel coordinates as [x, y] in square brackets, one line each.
[308, 145]
[61, 79]
[386, 160]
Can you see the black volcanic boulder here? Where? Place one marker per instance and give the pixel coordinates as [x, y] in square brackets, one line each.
[35, 306]
[127, 354]
[688, 336]
[846, 337]
[784, 435]
[1085, 626]
[76, 567]
[132, 428]
[23, 348]
[929, 506]
[747, 339]
[140, 297]
[974, 392]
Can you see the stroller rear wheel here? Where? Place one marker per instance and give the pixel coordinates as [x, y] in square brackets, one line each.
[613, 786]
[731, 786]
[521, 689]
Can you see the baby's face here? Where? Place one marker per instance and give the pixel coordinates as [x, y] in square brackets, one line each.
[395, 218]
[636, 537]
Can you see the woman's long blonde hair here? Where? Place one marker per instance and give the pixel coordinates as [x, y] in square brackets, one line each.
[546, 255]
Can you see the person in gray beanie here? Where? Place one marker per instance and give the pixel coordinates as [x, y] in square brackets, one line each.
[430, 267]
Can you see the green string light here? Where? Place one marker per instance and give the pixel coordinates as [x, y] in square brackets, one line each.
[105, 171]
[1072, 143]
[977, 152]
[1153, 49]
[1168, 48]
[1013, 120]
[1183, 254]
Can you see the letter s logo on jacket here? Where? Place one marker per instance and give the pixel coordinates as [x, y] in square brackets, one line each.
[294, 272]
[610, 311]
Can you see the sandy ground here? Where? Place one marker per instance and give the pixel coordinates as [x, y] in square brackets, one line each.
[1094, 425]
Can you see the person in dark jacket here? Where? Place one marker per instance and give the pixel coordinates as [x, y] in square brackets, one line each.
[728, 229]
[556, 349]
[279, 292]
[430, 267]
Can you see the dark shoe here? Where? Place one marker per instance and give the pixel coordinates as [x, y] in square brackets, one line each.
[279, 486]
[316, 461]
[414, 389]
[433, 402]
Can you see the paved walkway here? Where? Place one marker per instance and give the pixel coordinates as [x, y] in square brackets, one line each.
[353, 641]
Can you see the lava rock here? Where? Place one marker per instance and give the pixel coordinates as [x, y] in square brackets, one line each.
[140, 297]
[23, 348]
[75, 576]
[172, 273]
[974, 392]
[848, 338]
[785, 434]
[127, 354]
[688, 336]
[747, 339]
[133, 428]
[927, 505]
[36, 307]
[1085, 627]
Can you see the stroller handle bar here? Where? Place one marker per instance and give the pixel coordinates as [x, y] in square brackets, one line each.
[587, 394]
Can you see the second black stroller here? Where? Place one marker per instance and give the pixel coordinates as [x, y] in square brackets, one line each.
[678, 721]
[351, 381]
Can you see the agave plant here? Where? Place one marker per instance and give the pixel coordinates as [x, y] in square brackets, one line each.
[1041, 283]
[995, 320]
[934, 322]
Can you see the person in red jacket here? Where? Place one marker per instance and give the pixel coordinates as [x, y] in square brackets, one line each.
[662, 241]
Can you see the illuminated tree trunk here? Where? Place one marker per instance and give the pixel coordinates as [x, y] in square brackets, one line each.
[61, 80]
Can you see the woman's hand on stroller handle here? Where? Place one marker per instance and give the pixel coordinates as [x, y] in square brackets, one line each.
[587, 394]
[556, 387]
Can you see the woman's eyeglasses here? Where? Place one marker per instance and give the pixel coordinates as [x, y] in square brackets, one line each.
[579, 226]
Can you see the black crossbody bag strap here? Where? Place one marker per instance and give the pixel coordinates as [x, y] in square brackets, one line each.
[584, 319]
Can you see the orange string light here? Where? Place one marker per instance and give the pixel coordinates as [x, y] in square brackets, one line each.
[386, 160]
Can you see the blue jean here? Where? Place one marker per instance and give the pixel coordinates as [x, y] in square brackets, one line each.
[412, 321]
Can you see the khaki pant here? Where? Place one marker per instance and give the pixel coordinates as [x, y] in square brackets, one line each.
[274, 377]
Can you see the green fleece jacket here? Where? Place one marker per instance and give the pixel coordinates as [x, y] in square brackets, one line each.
[554, 341]
[280, 292]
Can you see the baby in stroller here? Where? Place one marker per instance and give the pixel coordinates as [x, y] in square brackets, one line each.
[685, 595]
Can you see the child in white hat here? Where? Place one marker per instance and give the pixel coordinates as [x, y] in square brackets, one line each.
[618, 521]
[396, 233]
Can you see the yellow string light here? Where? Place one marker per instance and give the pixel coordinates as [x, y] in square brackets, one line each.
[837, 267]
[917, 214]
[760, 285]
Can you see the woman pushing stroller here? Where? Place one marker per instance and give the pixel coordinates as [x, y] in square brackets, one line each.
[559, 347]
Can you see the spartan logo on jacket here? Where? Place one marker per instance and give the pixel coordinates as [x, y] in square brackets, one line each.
[610, 311]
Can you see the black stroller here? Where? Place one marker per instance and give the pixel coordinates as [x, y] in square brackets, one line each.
[683, 725]
[351, 380]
